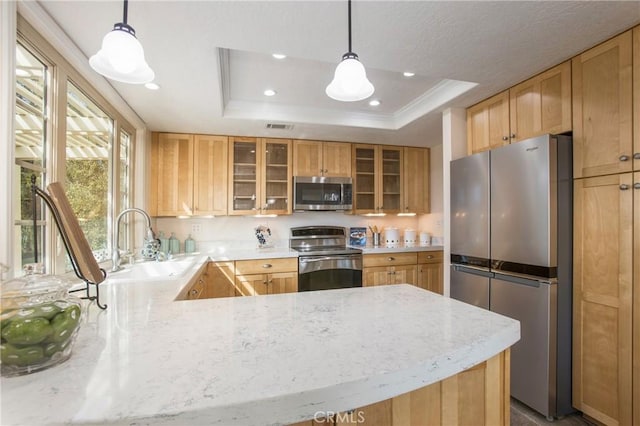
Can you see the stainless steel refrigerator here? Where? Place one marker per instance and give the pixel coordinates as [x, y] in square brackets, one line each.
[511, 252]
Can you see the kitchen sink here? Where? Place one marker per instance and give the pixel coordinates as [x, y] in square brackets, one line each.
[153, 270]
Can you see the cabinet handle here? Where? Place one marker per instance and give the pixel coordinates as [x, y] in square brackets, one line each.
[636, 185]
[270, 281]
[391, 259]
[624, 187]
[513, 136]
[636, 156]
[265, 282]
[623, 158]
[429, 257]
[505, 138]
[267, 265]
[194, 292]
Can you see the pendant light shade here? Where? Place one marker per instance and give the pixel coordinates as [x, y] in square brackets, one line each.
[121, 57]
[350, 81]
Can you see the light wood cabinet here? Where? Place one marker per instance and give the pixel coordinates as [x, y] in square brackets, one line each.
[488, 124]
[431, 271]
[259, 176]
[196, 288]
[416, 180]
[377, 179]
[188, 175]
[266, 276]
[477, 396]
[539, 105]
[317, 158]
[602, 296]
[636, 107]
[602, 108]
[394, 268]
[221, 279]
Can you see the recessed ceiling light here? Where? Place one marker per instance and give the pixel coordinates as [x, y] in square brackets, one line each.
[151, 86]
[408, 74]
[279, 56]
[269, 92]
[374, 102]
[22, 73]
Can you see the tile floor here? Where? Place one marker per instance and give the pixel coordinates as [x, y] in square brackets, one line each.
[521, 415]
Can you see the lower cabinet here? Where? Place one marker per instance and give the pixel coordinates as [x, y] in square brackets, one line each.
[423, 269]
[197, 287]
[266, 276]
[477, 396]
[220, 280]
[431, 271]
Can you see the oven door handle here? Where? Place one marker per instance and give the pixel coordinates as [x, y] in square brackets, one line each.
[328, 258]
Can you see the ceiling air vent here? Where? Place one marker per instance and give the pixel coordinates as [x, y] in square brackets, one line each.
[279, 126]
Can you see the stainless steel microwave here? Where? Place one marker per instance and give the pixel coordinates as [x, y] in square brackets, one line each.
[322, 193]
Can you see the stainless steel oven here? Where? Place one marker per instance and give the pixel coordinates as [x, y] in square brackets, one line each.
[325, 262]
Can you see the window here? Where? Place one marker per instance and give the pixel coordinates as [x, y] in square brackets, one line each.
[30, 153]
[65, 132]
[88, 152]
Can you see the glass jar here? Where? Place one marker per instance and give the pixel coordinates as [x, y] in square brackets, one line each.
[39, 320]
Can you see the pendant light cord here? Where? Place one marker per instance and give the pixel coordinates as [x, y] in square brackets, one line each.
[126, 8]
[349, 6]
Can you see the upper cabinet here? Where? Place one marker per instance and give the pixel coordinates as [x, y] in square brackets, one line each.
[377, 179]
[488, 124]
[259, 176]
[316, 158]
[416, 180]
[534, 107]
[188, 175]
[602, 109]
[541, 104]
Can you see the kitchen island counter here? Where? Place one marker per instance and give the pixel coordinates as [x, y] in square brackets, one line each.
[252, 360]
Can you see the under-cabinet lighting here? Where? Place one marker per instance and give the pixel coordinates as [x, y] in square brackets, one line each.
[265, 215]
[406, 214]
[375, 214]
[183, 217]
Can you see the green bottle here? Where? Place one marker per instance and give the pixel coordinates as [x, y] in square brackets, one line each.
[189, 245]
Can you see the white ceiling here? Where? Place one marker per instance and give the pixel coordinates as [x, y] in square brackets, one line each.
[212, 59]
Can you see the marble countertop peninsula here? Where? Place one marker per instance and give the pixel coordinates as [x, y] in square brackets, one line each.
[276, 359]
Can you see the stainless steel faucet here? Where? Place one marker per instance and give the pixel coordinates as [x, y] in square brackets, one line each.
[151, 244]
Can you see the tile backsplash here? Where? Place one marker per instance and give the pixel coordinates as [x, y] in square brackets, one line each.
[240, 230]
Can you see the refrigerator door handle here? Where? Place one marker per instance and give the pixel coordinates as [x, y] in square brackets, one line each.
[473, 270]
[515, 279]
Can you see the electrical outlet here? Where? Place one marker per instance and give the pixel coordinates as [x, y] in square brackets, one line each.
[439, 223]
[196, 228]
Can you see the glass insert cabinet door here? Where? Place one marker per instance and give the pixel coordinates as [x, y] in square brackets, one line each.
[260, 175]
[377, 178]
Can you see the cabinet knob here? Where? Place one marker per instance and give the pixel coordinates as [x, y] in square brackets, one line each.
[636, 156]
[194, 292]
[624, 187]
[505, 138]
[513, 136]
[270, 281]
[623, 158]
[267, 265]
[264, 282]
[636, 185]
[391, 259]
[429, 257]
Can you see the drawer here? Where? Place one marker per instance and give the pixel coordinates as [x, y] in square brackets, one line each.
[266, 266]
[389, 259]
[430, 256]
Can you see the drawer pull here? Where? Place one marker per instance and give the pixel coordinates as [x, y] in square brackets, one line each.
[391, 259]
[636, 156]
[636, 185]
[623, 158]
[267, 265]
[429, 257]
[624, 187]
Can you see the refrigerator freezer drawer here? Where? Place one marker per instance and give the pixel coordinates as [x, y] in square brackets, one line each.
[470, 286]
[533, 358]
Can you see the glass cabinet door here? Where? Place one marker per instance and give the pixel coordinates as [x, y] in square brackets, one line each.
[244, 169]
[391, 182]
[364, 192]
[276, 187]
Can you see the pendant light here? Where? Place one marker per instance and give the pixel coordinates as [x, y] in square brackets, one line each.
[121, 57]
[350, 81]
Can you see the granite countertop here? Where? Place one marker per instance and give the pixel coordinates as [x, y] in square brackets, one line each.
[251, 360]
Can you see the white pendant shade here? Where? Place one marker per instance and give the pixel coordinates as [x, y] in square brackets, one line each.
[121, 58]
[350, 81]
